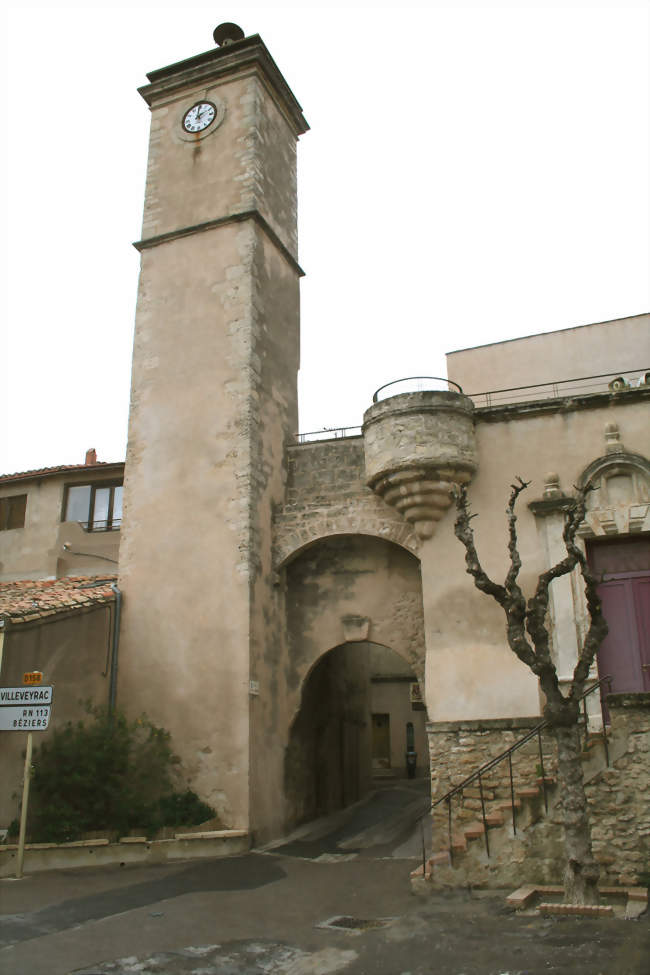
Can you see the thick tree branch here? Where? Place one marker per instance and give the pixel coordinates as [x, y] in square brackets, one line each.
[515, 559]
[464, 534]
[598, 628]
[510, 596]
[537, 608]
[530, 620]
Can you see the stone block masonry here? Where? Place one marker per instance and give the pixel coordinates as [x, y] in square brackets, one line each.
[326, 495]
[459, 748]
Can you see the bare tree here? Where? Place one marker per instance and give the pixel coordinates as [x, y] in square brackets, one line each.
[528, 637]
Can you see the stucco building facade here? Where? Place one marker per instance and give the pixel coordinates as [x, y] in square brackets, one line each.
[266, 580]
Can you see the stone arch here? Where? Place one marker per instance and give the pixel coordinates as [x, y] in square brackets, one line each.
[291, 545]
[328, 760]
[620, 501]
[349, 645]
[347, 588]
[343, 590]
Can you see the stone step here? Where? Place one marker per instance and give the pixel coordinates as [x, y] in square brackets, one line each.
[528, 793]
[474, 831]
[495, 818]
[506, 807]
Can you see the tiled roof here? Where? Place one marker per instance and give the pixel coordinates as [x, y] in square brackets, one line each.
[62, 469]
[33, 599]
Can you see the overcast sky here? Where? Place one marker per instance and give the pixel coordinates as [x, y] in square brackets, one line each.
[473, 173]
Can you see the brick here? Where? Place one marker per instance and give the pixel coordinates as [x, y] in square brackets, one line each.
[577, 910]
[522, 897]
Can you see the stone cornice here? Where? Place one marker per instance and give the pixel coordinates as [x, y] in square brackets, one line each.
[564, 404]
[549, 506]
[219, 63]
[200, 228]
[483, 724]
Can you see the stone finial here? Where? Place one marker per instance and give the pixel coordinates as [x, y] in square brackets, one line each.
[613, 439]
[552, 485]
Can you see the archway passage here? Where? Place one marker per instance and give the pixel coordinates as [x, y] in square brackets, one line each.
[623, 564]
[360, 723]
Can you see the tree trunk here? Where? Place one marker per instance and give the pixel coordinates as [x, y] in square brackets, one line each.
[581, 871]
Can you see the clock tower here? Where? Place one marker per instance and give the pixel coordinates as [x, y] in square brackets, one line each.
[213, 402]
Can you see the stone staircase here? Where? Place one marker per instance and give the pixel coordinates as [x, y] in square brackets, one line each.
[530, 851]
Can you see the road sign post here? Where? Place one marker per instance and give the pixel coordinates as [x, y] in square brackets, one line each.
[23, 809]
[27, 709]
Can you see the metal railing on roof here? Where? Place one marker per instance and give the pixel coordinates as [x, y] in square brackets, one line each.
[328, 433]
[579, 386]
[617, 382]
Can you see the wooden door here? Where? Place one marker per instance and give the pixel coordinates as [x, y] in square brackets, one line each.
[624, 566]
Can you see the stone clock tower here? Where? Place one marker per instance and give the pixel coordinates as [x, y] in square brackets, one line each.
[213, 402]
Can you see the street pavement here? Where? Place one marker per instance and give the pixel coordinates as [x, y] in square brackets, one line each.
[333, 897]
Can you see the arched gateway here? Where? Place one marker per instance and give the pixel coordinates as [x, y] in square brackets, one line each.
[356, 671]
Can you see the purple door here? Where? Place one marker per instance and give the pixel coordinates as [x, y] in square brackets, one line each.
[624, 566]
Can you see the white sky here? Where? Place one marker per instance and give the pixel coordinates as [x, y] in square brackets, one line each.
[474, 172]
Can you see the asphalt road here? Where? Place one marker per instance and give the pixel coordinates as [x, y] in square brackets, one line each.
[276, 911]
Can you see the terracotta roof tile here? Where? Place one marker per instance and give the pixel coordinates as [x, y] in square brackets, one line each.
[62, 469]
[31, 599]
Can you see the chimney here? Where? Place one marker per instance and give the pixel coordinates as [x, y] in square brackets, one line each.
[91, 456]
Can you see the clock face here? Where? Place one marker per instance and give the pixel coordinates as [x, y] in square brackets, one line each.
[199, 117]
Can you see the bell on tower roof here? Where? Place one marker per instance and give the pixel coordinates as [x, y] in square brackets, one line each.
[227, 34]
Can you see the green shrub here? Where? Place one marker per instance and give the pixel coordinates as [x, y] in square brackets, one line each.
[107, 774]
[183, 809]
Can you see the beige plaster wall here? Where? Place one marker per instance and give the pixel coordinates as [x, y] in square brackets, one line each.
[213, 403]
[247, 163]
[471, 673]
[393, 698]
[588, 350]
[72, 654]
[185, 555]
[35, 551]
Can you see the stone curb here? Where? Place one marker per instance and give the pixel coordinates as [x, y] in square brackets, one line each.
[130, 849]
[580, 910]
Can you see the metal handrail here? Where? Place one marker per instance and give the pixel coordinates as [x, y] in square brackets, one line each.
[507, 754]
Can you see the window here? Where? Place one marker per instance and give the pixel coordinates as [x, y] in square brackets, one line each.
[97, 507]
[12, 512]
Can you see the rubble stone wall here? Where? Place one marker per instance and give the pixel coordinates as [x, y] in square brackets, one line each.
[326, 495]
[459, 748]
[619, 797]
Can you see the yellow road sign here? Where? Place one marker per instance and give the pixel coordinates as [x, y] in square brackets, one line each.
[33, 677]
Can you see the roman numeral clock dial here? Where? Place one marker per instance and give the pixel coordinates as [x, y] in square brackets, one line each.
[199, 117]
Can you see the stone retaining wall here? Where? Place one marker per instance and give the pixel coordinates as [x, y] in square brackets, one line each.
[619, 798]
[459, 748]
[130, 849]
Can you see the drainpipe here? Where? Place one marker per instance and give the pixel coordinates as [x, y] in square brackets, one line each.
[112, 687]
